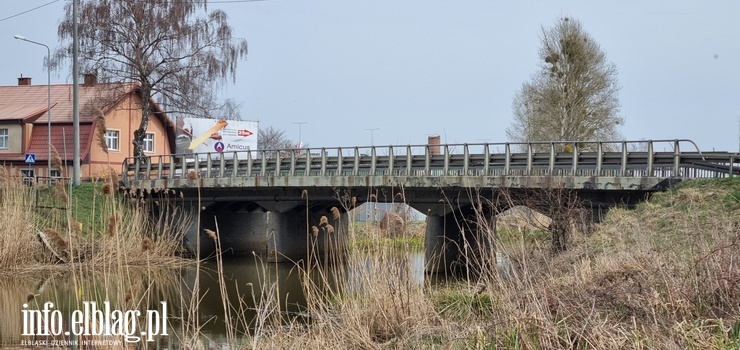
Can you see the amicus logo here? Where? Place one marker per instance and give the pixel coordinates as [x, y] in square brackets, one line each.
[238, 147]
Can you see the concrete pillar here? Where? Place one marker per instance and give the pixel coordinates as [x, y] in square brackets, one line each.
[460, 241]
[442, 244]
[282, 234]
[241, 232]
[306, 233]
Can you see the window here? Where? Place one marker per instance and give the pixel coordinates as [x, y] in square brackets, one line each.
[56, 173]
[3, 138]
[28, 176]
[111, 139]
[149, 142]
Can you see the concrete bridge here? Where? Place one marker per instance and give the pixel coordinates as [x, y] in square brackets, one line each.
[284, 203]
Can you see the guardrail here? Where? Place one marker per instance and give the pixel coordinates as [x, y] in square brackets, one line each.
[559, 158]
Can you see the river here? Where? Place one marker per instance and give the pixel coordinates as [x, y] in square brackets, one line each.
[168, 300]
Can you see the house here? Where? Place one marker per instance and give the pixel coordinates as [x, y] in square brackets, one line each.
[25, 120]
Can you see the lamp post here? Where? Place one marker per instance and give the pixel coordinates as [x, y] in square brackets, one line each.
[300, 144]
[372, 131]
[48, 99]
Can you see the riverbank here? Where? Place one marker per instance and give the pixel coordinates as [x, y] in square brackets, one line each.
[664, 275]
[95, 227]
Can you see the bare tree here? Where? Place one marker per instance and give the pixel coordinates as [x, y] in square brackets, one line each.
[271, 140]
[174, 50]
[574, 95]
[227, 110]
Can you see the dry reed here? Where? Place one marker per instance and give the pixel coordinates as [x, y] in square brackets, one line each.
[335, 213]
[146, 244]
[662, 276]
[211, 234]
[100, 129]
[113, 221]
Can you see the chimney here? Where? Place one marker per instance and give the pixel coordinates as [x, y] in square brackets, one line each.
[90, 79]
[433, 142]
[24, 80]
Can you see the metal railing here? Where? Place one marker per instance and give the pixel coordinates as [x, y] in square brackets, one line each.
[644, 158]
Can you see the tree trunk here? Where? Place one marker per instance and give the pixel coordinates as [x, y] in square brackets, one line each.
[146, 107]
[559, 230]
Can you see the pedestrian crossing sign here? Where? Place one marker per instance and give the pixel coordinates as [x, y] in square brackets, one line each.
[30, 158]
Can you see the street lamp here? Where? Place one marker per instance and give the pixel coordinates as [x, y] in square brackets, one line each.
[300, 144]
[372, 131]
[48, 98]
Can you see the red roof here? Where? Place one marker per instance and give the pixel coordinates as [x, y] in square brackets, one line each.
[30, 102]
[61, 139]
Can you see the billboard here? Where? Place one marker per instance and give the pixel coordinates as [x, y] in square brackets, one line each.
[217, 135]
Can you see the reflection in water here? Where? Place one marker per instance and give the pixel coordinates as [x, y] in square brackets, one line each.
[70, 291]
[248, 284]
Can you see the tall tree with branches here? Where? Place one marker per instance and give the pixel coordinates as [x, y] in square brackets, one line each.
[177, 51]
[574, 95]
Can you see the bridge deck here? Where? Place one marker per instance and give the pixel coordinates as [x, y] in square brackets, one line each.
[590, 165]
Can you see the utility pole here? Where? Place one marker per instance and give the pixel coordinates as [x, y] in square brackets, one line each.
[372, 131]
[300, 143]
[75, 96]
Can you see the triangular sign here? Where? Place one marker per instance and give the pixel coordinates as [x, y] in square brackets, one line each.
[30, 158]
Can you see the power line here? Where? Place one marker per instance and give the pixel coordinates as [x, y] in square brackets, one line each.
[51, 2]
[27, 11]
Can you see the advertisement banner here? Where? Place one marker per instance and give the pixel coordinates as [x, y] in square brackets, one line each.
[221, 136]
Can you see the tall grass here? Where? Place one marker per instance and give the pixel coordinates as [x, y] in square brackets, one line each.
[100, 229]
[18, 244]
[102, 247]
[665, 275]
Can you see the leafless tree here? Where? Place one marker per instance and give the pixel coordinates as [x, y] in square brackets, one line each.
[271, 138]
[573, 97]
[176, 51]
[227, 110]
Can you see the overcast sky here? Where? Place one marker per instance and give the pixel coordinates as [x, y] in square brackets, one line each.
[412, 68]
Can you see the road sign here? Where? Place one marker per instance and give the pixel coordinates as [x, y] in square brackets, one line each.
[30, 158]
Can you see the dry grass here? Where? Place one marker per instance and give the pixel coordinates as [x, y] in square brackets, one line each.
[663, 276]
[48, 254]
[116, 229]
[18, 243]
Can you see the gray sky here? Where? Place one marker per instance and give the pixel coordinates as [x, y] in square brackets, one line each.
[418, 67]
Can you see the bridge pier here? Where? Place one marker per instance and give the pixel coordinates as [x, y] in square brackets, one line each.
[306, 233]
[460, 240]
[274, 231]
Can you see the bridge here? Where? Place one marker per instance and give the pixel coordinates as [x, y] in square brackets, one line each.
[279, 202]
